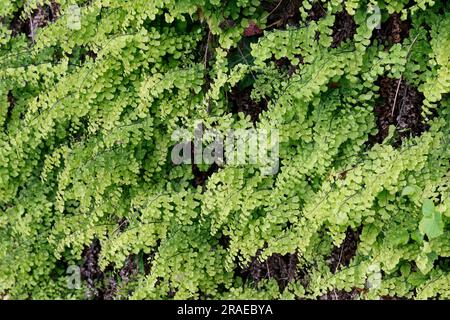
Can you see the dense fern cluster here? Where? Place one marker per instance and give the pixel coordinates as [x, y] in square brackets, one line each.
[86, 124]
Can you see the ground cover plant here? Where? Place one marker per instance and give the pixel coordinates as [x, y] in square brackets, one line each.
[92, 92]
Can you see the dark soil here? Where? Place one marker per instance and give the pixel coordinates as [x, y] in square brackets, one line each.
[392, 298]
[40, 17]
[281, 268]
[241, 101]
[344, 28]
[227, 24]
[11, 104]
[282, 13]
[405, 115]
[342, 256]
[317, 12]
[18, 26]
[104, 285]
[284, 64]
[341, 295]
[91, 271]
[201, 177]
[11, 100]
[443, 262]
[224, 241]
[393, 30]
[123, 224]
[129, 269]
[91, 54]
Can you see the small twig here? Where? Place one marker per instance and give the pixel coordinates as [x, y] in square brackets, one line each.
[274, 9]
[251, 71]
[207, 50]
[268, 270]
[274, 23]
[246, 61]
[403, 102]
[401, 76]
[340, 257]
[321, 7]
[396, 94]
[208, 40]
[31, 29]
[335, 294]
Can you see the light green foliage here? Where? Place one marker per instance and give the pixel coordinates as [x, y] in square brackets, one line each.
[87, 144]
[431, 223]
